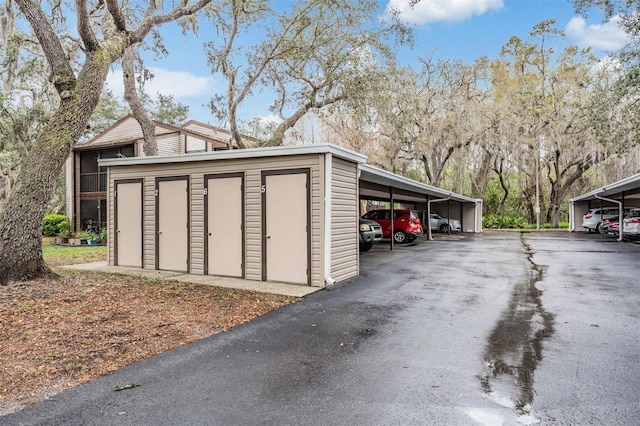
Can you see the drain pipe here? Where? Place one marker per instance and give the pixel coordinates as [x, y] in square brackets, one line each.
[438, 200]
[572, 217]
[620, 212]
[328, 164]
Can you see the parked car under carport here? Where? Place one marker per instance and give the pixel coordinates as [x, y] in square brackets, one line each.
[370, 232]
[444, 224]
[440, 223]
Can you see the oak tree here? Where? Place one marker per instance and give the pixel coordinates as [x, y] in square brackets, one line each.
[105, 30]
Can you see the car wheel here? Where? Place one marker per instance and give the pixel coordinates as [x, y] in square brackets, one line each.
[366, 246]
[444, 228]
[399, 237]
[600, 228]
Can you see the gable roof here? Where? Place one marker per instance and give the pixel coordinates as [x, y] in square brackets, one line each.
[213, 131]
[127, 130]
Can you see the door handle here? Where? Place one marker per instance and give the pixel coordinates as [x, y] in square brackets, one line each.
[267, 236]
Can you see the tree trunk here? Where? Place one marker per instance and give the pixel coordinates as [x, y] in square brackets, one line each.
[235, 133]
[498, 168]
[505, 196]
[21, 218]
[150, 146]
[480, 179]
[427, 169]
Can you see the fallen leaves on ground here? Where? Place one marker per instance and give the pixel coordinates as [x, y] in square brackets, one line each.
[57, 334]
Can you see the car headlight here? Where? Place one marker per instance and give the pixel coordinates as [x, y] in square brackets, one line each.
[365, 227]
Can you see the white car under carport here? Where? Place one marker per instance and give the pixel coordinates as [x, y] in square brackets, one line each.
[443, 224]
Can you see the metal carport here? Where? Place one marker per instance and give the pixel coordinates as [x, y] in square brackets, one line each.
[622, 194]
[379, 184]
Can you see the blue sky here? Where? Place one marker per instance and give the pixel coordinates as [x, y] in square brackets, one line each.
[447, 29]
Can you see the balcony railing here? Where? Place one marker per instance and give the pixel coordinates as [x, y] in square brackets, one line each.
[93, 182]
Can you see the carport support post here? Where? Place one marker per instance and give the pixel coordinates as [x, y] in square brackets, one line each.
[428, 220]
[620, 211]
[391, 213]
[449, 217]
[429, 211]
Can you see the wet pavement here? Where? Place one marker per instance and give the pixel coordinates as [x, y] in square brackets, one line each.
[492, 329]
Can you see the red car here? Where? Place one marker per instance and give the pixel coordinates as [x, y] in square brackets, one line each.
[406, 224]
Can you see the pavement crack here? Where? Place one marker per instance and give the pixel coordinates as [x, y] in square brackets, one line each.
[515, 345]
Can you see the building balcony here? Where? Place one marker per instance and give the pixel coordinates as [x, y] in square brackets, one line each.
[93, 182]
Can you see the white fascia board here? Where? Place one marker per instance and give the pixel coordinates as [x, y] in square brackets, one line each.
[632, 182]
[334, 150]
[384, 177]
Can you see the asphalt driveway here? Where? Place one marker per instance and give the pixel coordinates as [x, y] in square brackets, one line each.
[499, 328]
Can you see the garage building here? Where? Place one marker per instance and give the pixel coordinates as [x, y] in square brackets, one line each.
[287, 214]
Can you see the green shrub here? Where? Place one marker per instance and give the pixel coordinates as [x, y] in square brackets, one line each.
[506, 221]
[52, 223]
[514, 221]
[87, 235]
[64, 230]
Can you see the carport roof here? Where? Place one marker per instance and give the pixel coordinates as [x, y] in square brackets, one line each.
[626, 187]
[409, 187]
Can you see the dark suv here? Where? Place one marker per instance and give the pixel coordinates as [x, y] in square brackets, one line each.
[406, 224]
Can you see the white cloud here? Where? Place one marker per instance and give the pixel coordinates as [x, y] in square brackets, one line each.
[180, 84]
[609, 36]
[426, 11]
[610, 65]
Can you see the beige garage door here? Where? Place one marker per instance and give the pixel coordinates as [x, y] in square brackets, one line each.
[128, 223]
[172, 215]
[286, 240]
[224, 212]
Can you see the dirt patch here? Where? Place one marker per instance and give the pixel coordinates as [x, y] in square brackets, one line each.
[58, 334]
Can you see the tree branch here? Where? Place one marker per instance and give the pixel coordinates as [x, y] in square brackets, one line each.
[152, 21]
[84, 27]
[117, 15]
[289, 122]
[150, 146]
[61, 75]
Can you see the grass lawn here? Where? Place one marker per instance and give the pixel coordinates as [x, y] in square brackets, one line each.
[56, 255]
